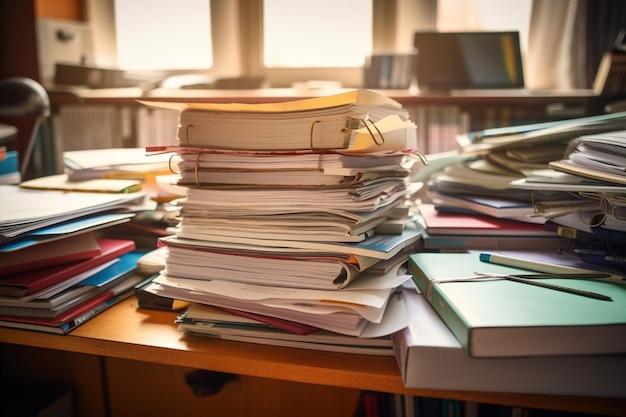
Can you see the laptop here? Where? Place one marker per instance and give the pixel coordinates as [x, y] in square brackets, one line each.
[468, 60]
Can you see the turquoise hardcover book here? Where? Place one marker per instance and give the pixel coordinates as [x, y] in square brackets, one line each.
[504, 318]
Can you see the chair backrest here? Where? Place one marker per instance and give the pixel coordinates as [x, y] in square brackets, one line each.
[25, 104]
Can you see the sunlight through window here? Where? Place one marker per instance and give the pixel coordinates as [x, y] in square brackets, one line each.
[177, 34]
[323, 33]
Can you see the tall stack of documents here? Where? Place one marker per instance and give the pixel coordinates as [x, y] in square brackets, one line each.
[56, 270]
[287, 209]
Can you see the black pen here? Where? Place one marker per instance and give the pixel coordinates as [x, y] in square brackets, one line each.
[550, 286]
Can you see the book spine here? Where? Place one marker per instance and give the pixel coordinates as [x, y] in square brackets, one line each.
[441, 305]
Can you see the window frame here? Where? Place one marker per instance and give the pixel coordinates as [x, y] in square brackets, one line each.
[393, 25]
[237, 36]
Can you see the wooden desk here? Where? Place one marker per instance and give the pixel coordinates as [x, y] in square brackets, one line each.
[147, 336]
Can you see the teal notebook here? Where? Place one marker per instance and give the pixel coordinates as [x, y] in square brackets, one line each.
[501, 318]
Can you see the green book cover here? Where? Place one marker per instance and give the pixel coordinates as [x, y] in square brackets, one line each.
[502, 318]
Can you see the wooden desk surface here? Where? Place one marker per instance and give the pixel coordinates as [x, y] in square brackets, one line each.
[126, 332]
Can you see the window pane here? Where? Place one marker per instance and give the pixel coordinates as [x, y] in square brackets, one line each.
[163, 34]
[322, 33]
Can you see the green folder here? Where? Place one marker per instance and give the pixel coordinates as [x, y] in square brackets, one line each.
[502, 318]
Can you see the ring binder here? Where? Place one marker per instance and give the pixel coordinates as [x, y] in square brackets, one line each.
[336, 122]
[169, 165]
[187, 134]
[197, 168]
[347, 130]
[351, 124]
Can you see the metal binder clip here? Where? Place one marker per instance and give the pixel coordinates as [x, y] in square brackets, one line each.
[382, 138]
[197, 168]
[351, 124]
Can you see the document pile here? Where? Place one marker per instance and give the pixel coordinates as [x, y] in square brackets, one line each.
[567, 176]
[56, 271]
[285, 207]
[535, 287]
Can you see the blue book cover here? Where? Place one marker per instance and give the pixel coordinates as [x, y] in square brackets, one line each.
[127, 263]
[9, 164]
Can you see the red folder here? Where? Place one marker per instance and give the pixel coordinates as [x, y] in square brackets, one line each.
[57, 252]
[30, 282]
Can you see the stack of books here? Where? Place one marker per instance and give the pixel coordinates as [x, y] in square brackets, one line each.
[472, 328]
[285, 213]
[56, 270]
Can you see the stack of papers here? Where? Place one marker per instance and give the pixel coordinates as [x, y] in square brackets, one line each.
[203, 320]
[115, 163]
[117, 170]
[357, 121]
[566, 178]
[275, 225]
[56, 272]
[26, 213]
[599, 157]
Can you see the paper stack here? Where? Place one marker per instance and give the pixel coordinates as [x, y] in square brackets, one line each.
[56, 271]
[283, 206]
[566, 176]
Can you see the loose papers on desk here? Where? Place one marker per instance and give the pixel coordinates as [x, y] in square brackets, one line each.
[101, 185]
[26, 210]
[116, 163]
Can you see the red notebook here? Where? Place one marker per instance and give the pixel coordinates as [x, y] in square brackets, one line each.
[61, 251]
[443, 223]
[30, 282]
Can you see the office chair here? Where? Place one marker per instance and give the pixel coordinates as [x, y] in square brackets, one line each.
[24, 103]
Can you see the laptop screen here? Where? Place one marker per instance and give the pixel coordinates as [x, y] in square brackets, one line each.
[468, 60]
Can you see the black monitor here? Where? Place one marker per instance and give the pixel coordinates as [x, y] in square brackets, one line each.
[468, 60]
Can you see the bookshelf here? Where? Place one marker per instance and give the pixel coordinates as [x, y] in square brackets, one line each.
[127, 351]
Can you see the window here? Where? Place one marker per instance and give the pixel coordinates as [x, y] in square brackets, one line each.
[323, 33]
[225, 38]
[341, 34]
[261, 38]
[163, 34]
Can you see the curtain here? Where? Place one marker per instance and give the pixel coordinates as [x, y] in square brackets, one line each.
[567, 39]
